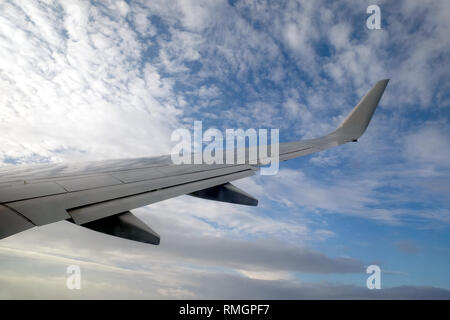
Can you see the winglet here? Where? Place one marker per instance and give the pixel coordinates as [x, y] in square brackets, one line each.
[357, 121]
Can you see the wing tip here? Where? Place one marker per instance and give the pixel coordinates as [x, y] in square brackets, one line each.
[384, 82]
[356, 123]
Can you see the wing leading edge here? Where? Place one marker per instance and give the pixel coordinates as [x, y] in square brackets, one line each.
[99, 195]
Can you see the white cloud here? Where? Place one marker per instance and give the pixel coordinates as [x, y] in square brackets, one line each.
[74, 90]
[265, 275]
[33, 277]
[429, 145]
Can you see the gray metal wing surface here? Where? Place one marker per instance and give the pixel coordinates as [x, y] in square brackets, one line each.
[99, 195]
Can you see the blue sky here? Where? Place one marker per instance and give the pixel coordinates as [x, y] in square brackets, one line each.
[101, 80]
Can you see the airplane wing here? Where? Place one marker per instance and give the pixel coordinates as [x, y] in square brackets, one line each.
[99, 195]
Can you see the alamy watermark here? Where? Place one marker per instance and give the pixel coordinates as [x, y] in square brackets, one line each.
[210, 147]
[374, 280]
[74, 279]
[373, 22]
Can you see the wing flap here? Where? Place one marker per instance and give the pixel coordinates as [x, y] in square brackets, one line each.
[27, 191]
[100, 210]
[11, 222]
[52, 208]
